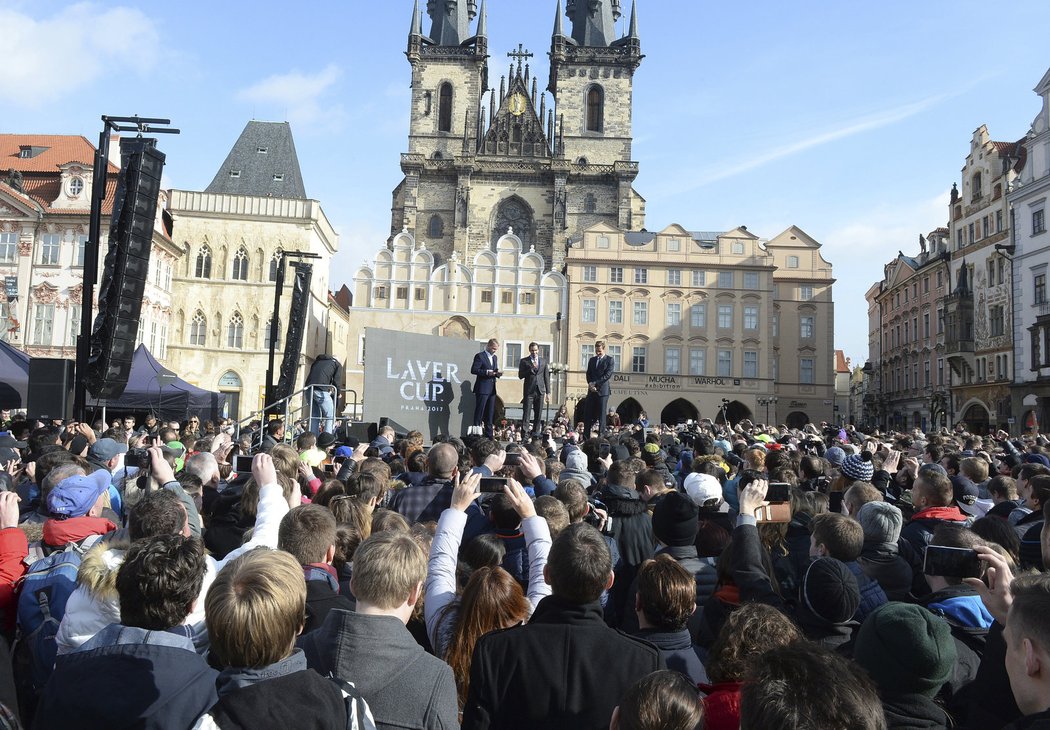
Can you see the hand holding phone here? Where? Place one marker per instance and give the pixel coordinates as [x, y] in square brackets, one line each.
[952, 562]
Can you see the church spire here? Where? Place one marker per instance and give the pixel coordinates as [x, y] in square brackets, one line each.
[451, 20]
[417, 21]
[593, 21]
[483, 20]
[633, 33]
[559, 29]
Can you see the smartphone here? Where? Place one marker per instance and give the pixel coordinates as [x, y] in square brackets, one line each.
[951, 562]
[835, 502]
[513, 458]
[492, 485]
[778, 492]
[242, 464]
[329, 469]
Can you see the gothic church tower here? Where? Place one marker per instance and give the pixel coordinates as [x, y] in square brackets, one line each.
[484, 161]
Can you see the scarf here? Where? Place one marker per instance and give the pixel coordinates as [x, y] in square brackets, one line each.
[322, 572]
[58, 533]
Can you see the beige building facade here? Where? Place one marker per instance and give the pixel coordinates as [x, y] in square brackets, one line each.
[692, 318]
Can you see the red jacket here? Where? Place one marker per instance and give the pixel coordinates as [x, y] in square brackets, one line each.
[13, 550]
[722, 706]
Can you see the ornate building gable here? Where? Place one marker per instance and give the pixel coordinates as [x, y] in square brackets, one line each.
[516, 128]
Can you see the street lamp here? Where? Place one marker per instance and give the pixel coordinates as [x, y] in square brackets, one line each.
[767, 402]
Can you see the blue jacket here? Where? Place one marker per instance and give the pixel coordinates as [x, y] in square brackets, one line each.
[129, 677]
[484, 384]
[871, 594]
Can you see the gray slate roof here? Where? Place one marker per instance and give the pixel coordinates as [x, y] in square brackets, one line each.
[249, 170]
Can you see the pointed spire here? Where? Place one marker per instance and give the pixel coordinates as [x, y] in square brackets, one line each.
[417, 20]
[633, 33]
[483, 21]
[559, 29]
[593, 25]
[451, 20]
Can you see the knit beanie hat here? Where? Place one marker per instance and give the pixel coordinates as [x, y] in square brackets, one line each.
[830, 591]
[576, 460]
[906, 649]
[675, 520]
[835, 455]
[882, 522]
[858, 467]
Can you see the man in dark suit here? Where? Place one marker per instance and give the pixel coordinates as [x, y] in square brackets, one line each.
[537, 387]
[599, 373]
[486, 368]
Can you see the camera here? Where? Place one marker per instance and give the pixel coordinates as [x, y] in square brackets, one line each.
[138, 457]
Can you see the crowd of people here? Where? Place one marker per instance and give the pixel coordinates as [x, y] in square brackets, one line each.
[166, 575]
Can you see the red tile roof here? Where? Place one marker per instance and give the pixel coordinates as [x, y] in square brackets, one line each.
[1013, 149]
[840, 362]
[60, 149]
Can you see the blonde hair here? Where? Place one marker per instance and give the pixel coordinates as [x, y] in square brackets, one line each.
[256, 608]
[388, 566]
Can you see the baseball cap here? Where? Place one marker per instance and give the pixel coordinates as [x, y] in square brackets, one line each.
[106, 448]
[7, 441]
[75, 496]
[701, 488]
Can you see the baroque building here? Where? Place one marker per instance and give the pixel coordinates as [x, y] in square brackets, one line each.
[46, 185]
[1030, 251]
[692, 317]
[977, 311]
[484, 160]
[234, 234]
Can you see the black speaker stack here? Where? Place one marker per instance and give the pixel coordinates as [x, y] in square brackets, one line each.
[126, 268]
[50, 393]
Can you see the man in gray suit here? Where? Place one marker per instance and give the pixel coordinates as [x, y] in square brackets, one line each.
[537, 387]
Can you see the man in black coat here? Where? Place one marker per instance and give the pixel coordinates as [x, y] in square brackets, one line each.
[486, 370]
[517, 681]
[308, 532]
[536, 387]
[599, 373]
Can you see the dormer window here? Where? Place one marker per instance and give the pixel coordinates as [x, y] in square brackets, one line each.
[25, 152]
[235, 173]
[261, 150]
[278, 177]
[76, 186]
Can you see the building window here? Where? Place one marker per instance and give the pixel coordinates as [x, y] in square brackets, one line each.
[590, 205]
[421, 294]
[401, 293]
[615, 274]
[76, 186]
[805, 292]
[926, 325]
[590, 273]
[697, 360]
[805, 371]
[595, 113]
[997, 321]
[266, 333]
[725, 279]
[80, 251]
[926, 374]
[674, 314]
[436, 228]
[674, 277]
[725, 316]
[940, 371]
[74, 324]
[699, 278]
[616, 311]
[641, 276]
[971, 233]
[792, 262]
[445, 108]
[641, 313]
[698, 315]
[940, 279]
[673, 360]
[275, 264]
[50, 245]
[674, 245]
[586, 353]
[638, 360]
[806, 327]
[278, 177]
[590, 311]
[776, 325]
[203, 268]
[750, 364]
[527, 298]
[8, 248]
[486, 296]
[240, 265]
[512, 352]
[506, 297]
[199, 329]
[1040, 288]
[235, 174]
[751, 280]
[1002, 271]
[940, 321]
[1038, 221]
[380, 292]
[43, 321]
[751, 318]
[235, 332]
[725, 363]
[975, 187]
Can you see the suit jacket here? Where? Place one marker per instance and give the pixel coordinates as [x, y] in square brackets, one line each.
[600, 372]
[540, 379]
[484, 384]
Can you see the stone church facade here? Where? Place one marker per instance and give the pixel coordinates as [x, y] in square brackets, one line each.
[487, 158]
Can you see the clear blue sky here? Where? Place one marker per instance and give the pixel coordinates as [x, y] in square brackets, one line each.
[850, 120]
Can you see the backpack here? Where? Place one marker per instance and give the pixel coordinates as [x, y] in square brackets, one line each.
[45, 590]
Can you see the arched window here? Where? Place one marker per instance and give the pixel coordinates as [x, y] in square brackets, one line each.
[203, 270]
[275, 264]
[199, 329]
[445, 108]
[266, 333]
[595, 109]
[436, 228]
[240, 265]
[590, 203]
[235, 332]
